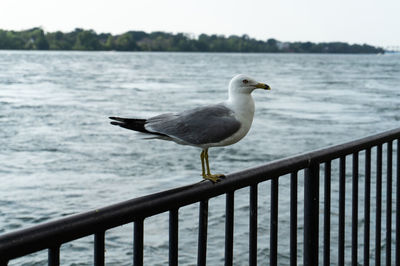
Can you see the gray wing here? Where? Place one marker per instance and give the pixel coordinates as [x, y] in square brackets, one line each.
[209, 124]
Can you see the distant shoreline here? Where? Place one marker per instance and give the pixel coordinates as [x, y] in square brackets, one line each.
[188, 52]
[132, 41]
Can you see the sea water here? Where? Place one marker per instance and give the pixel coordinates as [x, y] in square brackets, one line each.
[60, 156]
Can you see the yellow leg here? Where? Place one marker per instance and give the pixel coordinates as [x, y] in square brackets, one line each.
[203, 172]
[213, 178]
[207, 164]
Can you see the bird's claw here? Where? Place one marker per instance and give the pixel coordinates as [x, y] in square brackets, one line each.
[214, 178]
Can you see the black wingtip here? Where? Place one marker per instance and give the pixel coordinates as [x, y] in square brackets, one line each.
[120, 119]
[115, 123]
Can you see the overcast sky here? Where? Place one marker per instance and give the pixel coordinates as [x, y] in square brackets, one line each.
[354, 21]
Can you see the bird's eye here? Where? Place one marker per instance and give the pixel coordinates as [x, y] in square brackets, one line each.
[245, 81]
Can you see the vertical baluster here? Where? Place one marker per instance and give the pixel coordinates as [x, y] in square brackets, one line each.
[367, 202]
[99, 248]
[229, 214]
[378, 205]
[173, 237]
[202, 240]
[354, 218]
[54, 256]
[253, 225]
[293, 219]
[342, 198]
[327, 214]
[311, 214]
[273, 257]
[138, 243]
[389, 204]
[398, 205]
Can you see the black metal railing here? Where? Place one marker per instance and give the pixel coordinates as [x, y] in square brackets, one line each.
[53, 234]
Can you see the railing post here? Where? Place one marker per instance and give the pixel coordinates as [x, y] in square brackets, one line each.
[293, 219]
[253, 225]
[229, 222]
[367, 207]
[397, 262]
[173, 237]
[138, 243]
[378, 214]
[342, 209]
[99, 248]
[202, 240]
[354, 218]
[311, 213]
[389, 204]
[54, 256]
[273, 258]
[327, 214]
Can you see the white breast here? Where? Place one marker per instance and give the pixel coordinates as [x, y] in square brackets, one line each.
[243, 108]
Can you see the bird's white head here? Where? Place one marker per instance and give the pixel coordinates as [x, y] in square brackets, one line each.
[242, 84]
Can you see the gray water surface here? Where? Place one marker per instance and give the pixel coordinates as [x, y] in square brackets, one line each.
[59, 155]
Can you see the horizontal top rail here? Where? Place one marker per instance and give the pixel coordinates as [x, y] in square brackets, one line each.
[46, 235]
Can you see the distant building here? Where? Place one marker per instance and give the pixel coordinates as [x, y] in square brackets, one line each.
[282, 45]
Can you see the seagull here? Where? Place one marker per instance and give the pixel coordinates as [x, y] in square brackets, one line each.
[209, 126]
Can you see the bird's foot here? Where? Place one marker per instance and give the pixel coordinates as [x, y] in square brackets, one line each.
[214, 178]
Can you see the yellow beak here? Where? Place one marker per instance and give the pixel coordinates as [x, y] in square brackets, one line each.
[263, 86]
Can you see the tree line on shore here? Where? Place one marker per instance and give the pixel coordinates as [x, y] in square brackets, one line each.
[89, 40]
